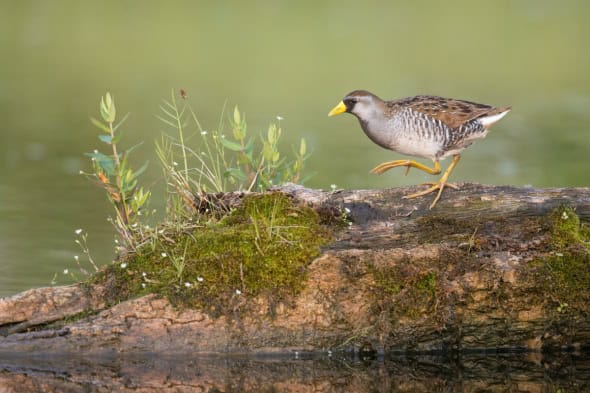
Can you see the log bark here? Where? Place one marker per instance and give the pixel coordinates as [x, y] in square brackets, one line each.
[478, 272]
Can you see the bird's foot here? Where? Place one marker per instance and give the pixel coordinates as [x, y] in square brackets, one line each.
[384, 167]
[440, 186]
[450, 185]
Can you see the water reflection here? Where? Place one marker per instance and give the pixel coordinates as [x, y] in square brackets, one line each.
[472, 373]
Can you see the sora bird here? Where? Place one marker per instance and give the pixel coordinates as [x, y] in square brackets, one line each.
[423, 126]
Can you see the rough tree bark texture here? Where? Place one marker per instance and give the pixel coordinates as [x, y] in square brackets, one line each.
[482, 270]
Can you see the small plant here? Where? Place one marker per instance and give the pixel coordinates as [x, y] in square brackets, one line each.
[82, 241]
[261, 247]
[114, 174]
[221, 162]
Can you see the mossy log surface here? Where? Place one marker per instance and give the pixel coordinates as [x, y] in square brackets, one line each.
[494, 268]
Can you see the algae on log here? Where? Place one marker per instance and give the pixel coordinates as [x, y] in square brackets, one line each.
[488, 268]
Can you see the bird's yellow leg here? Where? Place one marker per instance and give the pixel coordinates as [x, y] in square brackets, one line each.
[381, 168]
[440, 185]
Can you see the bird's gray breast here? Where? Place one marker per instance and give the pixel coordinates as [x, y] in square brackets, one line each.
[377, 132]
[407, 132]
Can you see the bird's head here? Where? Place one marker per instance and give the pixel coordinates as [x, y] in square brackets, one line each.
[360, 103]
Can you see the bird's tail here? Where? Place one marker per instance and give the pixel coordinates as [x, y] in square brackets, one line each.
[493, 116]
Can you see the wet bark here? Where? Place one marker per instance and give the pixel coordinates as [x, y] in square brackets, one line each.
[471, 274]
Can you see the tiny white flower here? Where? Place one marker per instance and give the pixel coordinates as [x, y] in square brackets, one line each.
[564, 216]
[78, 231]
[76, 257]
[164, 255]
[134, 225]
[174, 163]
[200, 279]
[203, 132]
[333, 186]
[143, 284]
[77, 241]
[95, 151]
[116, 241]
[187, 284]
[144, 274]
[279, 118]
[66, 271]
[347, 210]
[81, 172]
[123, 265]
[161, 231]
[238, 292]
[222, 136]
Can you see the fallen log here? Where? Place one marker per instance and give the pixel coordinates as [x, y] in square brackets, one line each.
[490, 268]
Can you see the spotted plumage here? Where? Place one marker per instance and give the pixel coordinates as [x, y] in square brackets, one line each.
[424, 126]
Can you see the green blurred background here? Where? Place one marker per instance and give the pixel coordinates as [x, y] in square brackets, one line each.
[293, 59]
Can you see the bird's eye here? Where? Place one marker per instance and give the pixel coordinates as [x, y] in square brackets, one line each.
[349, 102]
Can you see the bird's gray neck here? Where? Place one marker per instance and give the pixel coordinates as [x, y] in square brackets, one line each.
[375, 127]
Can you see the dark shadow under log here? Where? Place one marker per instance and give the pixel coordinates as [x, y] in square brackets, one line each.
[494, 268]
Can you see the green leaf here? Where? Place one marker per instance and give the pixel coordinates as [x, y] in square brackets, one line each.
[103, 110]
[107, 108]
[167, 112]
[106, 138]
[230, 145]
[267, 152]
[106, 163]
[237, 117]
[133, 148]
[249, 147]
[142, 169]
[236, 173]
[175, 126]
[272, 134]
[302, 147]
[101, 126]
[121, 122]
[116, 139]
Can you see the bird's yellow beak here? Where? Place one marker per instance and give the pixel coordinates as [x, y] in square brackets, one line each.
[338, 109]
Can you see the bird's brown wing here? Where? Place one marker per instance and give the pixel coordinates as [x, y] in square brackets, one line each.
[453, 113]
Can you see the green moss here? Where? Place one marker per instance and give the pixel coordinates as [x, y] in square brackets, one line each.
[564, 275]
[261, 248]
[388, 280]
[567, 230]
[402, 294]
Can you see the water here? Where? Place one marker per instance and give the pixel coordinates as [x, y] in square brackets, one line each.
[531, 373]
[282, 58]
